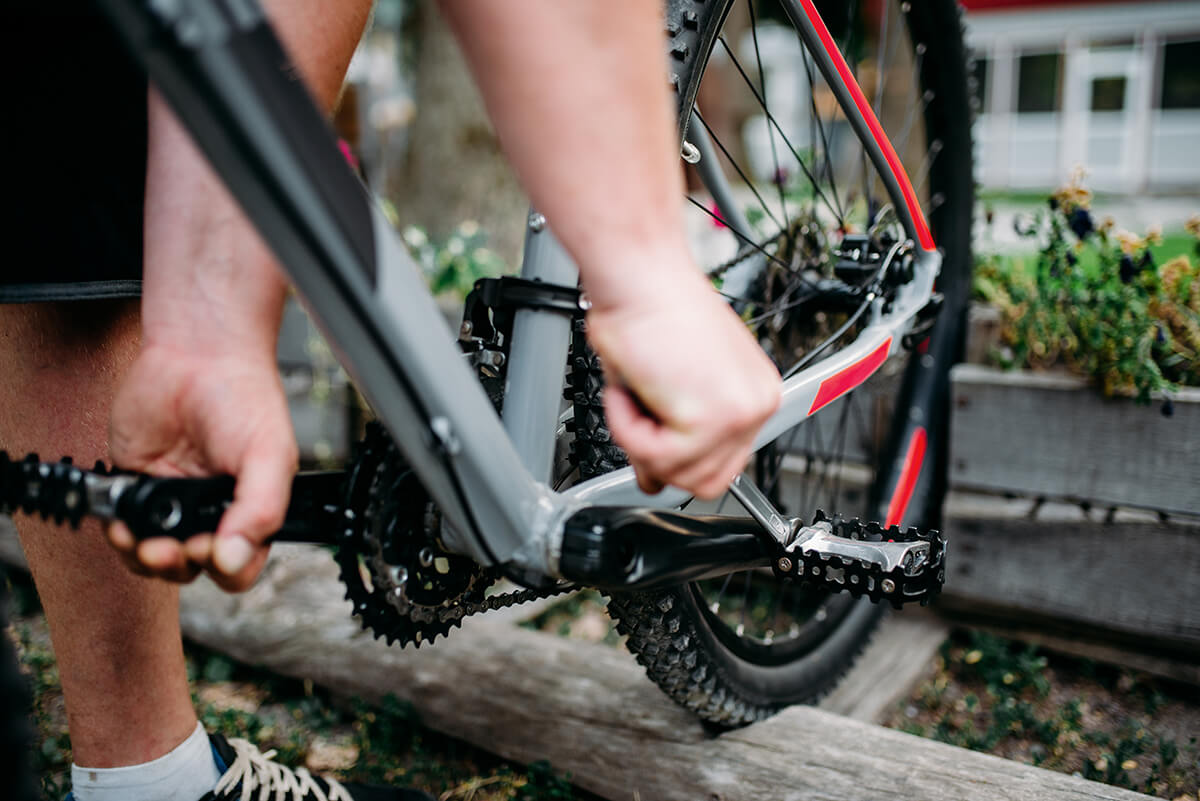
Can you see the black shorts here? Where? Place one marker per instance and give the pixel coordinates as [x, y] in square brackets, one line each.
[78, 159]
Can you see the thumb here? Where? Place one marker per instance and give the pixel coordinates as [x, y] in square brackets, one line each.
[260, 502]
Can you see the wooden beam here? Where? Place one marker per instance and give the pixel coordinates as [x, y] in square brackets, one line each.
[590, 710]
[1050, 435]
[1130, 582]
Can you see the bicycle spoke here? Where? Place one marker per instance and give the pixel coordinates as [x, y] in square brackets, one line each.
[812, 100]
[761, 249]
[773, 123]
[843, 431]
[778, 177]
[926, 164]
[738, 169]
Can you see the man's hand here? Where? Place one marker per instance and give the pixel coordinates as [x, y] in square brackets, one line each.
[179, 414]
[694, 367]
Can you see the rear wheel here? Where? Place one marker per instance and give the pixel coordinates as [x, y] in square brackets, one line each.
[793, 184]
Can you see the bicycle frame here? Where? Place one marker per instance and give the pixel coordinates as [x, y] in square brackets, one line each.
[226, 76]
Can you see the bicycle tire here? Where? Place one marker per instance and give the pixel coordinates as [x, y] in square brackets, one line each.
[696, 658]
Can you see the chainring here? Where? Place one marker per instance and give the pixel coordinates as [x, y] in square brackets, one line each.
[404, 586]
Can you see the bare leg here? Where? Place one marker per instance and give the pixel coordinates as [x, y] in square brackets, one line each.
[116, 635]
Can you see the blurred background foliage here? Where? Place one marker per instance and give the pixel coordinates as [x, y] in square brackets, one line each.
[1121, 309]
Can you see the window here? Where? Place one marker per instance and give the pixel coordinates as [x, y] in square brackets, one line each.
[1039, 81]
[1108, 94]
[1181, 75]
[977, 82]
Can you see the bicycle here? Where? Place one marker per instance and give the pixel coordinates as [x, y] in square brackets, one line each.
[841, 289]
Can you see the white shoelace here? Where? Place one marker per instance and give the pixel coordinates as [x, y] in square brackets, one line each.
[272, 781]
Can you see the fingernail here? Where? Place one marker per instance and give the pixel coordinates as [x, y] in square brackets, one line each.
[232, 553]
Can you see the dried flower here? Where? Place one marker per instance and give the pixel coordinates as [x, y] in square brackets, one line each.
[1130, 242]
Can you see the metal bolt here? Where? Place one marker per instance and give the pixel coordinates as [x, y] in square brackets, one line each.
[464, 330]
[690, 153]
[585, 302]
[537, 222]
[425, 556]
[442, 430]
[785, 564]
[888, 586]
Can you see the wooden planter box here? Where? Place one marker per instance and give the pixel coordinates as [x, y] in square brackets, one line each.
[1094, 567]
[1053, 436]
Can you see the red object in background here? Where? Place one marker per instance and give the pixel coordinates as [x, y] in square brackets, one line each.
[348, 154]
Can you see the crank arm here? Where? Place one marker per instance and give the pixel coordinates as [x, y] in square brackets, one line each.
[152, 506]
[620, 548]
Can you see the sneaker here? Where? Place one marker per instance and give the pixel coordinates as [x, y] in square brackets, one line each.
[248, 774]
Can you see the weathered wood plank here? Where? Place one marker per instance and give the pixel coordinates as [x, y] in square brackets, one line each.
[1052, 436]
[1135, 582]
[590, 710]
[899, 655]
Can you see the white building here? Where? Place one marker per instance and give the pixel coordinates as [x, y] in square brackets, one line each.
[1114, 86]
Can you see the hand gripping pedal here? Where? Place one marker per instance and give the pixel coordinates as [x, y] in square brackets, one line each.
[866, 559]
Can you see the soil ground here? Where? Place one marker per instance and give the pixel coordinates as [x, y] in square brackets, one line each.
[1075, 716]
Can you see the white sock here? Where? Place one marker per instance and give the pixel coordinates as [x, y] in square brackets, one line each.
[184, 774]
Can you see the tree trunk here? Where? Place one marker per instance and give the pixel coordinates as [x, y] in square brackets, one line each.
[455, 170]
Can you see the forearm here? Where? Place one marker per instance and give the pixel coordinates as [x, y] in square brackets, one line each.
[209, 279]
[579, 96]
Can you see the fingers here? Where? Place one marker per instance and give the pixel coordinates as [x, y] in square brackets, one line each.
[258, 511]
[158, 557]
[701, 462]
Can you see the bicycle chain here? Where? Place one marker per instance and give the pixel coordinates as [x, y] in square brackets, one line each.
[499, 601]
[397, 520]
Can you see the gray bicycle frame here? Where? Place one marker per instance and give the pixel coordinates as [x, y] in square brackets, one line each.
[219, 66]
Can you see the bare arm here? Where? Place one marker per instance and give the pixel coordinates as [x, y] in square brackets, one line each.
[204, 395]
[579, 95]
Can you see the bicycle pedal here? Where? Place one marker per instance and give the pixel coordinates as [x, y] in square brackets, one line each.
[894, 565]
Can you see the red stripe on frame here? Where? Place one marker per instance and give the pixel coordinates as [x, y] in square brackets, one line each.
[908, 478]
[864, 108]
[850, 377]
